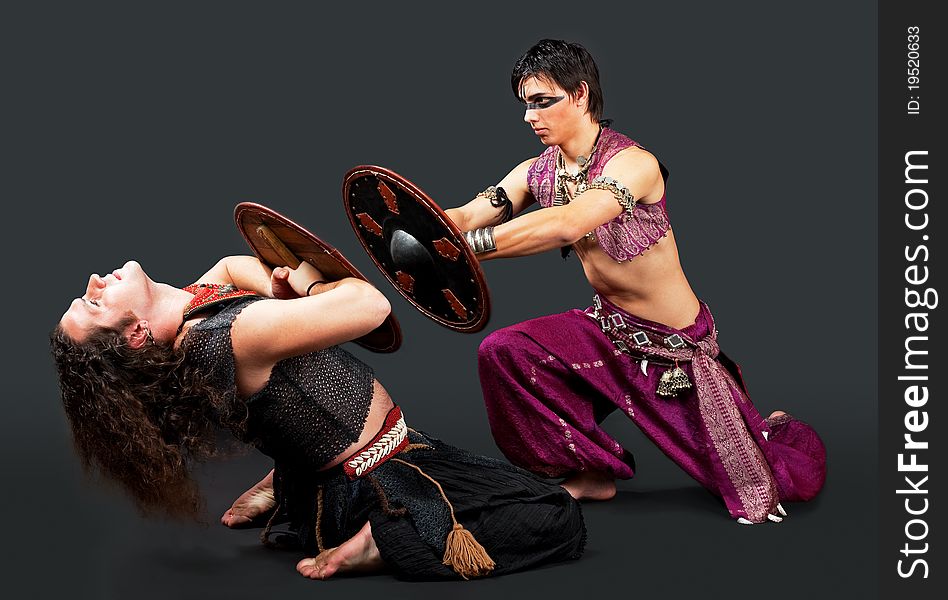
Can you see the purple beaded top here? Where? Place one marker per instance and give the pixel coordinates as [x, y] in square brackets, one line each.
[624, 237]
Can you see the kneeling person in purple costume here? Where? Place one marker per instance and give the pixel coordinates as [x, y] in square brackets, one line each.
[647, 346]
[147, 370]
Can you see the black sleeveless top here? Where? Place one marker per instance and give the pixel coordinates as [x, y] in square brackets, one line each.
[312, 408]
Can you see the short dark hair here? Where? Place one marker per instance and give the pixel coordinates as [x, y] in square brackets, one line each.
[566, 64]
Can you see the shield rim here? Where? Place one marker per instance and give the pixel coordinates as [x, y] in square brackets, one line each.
[394, 330]
[472, 327]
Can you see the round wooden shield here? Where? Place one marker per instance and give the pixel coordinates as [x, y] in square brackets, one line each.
[278, 242]
[417, 247]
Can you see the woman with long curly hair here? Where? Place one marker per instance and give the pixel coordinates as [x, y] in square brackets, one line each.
[149, 371]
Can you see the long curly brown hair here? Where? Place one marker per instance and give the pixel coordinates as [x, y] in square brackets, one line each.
[141, 416]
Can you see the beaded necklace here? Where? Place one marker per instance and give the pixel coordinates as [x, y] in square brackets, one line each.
[581, 178]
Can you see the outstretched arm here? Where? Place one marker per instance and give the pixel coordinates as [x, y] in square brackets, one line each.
[558, 226]
[480, 213]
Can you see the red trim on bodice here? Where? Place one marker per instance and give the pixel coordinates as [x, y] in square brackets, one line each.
[207, 295]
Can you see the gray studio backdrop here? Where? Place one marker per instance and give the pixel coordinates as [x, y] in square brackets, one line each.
[133, 132]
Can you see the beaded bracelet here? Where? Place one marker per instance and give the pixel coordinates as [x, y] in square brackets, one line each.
[623, 195]
[312, 284]
[490, 193]
[498, 199]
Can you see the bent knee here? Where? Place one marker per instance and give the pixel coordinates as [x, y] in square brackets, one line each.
[502, 344]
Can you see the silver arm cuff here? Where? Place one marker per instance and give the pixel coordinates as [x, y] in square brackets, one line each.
[481, 240]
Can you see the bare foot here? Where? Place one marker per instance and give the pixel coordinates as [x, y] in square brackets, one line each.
[255, 502]
[590, 486]
[358, 554]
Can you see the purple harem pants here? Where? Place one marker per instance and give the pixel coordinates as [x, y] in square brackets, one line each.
[549, 382]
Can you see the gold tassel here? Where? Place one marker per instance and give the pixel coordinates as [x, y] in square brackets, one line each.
[462, 552]
[673, 381]
[319, 520]
[265, 534]
[465, 555]
[411, 447]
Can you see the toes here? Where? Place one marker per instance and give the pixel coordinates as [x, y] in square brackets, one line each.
[320, 567]
[774, 518]
[744, 521]
[308, 567]
[233, 519]
[780, 509]
[303, 568]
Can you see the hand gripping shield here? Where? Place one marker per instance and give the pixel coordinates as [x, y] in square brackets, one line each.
[278, 242]
[417, 247]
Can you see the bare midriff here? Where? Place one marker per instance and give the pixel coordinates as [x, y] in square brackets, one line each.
[381, 405]
[651, 286]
